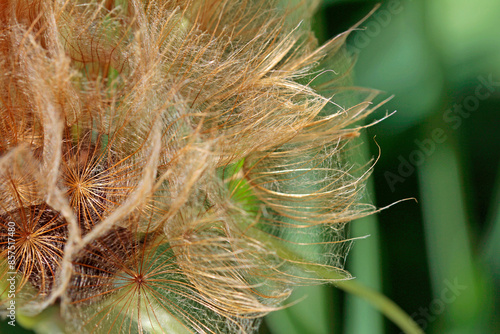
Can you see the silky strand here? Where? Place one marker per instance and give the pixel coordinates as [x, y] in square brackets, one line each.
[172, 166]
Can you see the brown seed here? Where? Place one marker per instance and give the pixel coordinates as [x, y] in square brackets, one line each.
[39, 235]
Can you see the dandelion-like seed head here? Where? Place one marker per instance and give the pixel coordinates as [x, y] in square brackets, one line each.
[172, 166]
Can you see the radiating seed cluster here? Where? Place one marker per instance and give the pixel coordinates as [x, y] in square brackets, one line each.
[155, 156]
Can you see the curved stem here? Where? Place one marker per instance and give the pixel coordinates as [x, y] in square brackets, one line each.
[386, 306]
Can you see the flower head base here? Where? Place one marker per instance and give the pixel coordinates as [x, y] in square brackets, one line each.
[158, 158]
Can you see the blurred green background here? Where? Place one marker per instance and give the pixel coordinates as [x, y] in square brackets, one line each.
[437, 257]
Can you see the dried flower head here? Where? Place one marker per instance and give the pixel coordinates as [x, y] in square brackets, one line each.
[159, 160]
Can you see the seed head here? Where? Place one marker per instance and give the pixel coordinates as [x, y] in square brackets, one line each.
[157, 157]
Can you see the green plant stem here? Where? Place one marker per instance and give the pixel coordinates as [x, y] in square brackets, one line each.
[376, 299]
[386, 306]
[451, 255]
[364, 258]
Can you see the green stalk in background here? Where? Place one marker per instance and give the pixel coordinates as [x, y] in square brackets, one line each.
[456, 279]
[365, 264]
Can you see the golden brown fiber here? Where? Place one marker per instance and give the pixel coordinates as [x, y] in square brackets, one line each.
[155, 156]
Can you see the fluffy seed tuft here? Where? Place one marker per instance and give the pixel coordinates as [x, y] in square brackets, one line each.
[157, 157]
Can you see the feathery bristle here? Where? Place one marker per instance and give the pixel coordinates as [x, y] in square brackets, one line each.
[146, 145]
